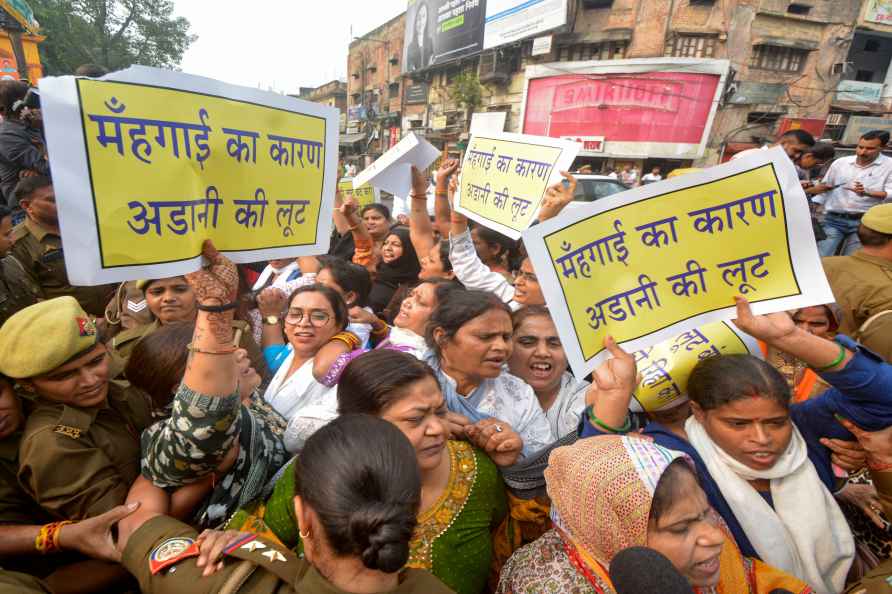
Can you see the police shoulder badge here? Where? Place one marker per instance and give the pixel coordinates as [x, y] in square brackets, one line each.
[86, 327]
[171, 551]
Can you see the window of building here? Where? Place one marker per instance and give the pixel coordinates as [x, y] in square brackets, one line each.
[775, 57]
[394, 90]
[765, 118]
[864, 76]
[608, 50]
[872, 45]
[691, 46]
[702, 2]
[796, 8]
[597, 3]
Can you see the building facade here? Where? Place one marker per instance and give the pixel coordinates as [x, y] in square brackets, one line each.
[374, 91]
[636, 79]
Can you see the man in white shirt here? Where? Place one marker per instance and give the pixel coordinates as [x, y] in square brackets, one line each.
[653, 176]
[629, 176]
[850, 188]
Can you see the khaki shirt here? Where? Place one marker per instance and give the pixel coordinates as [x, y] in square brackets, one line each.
[80, 462]
[263, 568]
[121, 346]
[17, 289]
[862, 285]
[16, 506]
[40, 253]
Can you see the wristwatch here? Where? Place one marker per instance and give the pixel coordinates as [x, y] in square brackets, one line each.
[271, 320]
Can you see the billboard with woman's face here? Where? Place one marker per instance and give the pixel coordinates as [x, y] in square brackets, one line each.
[438, 31]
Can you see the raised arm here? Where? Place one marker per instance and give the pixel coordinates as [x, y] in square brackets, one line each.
[779, 331]
[442, 202]
[341, 223]
[211, 369]
[364, 253]
[421, 232]
[466, 264]
[607, 399]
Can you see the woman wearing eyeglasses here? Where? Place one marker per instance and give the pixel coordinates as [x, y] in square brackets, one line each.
[316, 314]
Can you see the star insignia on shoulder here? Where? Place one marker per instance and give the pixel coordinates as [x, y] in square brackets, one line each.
[274, 555]
[253, 546]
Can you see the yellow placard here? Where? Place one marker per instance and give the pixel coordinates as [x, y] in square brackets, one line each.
[638, 268]
[665, 367]
[503, 179]
[170, 168]
[365, 194]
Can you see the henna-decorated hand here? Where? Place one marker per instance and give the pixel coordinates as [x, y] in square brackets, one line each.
[218, 283]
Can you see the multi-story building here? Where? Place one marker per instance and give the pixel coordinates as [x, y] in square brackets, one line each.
[374, 90]
[674, 82]
[333, 94]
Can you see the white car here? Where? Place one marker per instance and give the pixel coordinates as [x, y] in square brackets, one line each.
[594, 187]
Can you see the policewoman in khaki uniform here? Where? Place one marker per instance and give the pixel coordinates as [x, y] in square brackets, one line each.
[172, 300]
[358, 491]
[79, 451]
[38, 247]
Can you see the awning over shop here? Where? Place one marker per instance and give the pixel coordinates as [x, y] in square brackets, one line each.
[351, 139]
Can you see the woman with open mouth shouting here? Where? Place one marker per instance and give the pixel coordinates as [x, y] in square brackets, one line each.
[538, 358]
[760, 458]
[470, 335]
[595, 485]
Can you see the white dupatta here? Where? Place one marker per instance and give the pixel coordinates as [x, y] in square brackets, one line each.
[805, 534]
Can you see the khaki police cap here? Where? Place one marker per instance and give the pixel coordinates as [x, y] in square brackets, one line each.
[44, 336]
[879, 218]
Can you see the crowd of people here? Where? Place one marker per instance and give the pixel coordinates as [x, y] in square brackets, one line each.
[398, 416]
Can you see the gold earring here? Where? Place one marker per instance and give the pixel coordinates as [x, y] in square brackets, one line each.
[302, 535]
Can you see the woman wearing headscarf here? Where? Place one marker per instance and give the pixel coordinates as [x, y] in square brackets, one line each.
[397, 266]
[761, 459]
[611, 493]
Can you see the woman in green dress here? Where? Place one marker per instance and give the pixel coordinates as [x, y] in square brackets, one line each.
[462, 494]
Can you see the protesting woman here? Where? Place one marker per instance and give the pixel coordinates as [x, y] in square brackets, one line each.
[462, 496]
[407, 332]
[759, 458]
[470, 336]
[173, 300]
[186, 444]
[611, 493]
[538, 358]
[316, 314]
[356, 496]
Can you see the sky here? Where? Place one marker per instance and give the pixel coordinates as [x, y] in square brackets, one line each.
[278, 45]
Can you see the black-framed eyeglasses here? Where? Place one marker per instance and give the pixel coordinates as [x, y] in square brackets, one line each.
[317, 317]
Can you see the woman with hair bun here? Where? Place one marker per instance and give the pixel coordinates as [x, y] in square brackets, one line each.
[357, 492]
[462, 494]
